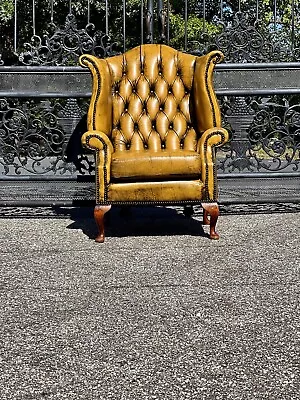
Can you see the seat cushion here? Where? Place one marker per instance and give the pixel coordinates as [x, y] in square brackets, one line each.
[147, 165]
[156, 192]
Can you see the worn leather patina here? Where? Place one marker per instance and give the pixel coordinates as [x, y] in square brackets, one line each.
[154, 122]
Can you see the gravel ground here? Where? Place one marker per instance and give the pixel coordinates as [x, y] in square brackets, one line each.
[158, 311]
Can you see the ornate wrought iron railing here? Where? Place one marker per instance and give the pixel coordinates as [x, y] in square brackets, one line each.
[43, 99]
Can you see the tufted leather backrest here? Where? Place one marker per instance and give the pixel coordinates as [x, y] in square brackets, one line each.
[148, 97]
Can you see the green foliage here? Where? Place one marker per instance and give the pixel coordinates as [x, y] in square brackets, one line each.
[6, 11]
[196, 27]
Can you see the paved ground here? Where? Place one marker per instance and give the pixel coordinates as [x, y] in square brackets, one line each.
[157, 312]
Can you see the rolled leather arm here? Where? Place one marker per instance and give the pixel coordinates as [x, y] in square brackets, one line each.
[96, 140]
[101, 144]
[211, 138]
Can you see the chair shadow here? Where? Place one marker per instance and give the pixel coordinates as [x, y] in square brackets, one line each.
[136, 221]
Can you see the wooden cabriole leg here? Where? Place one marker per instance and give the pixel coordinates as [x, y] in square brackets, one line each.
[99, 213]
[205, 217]
[212, 210]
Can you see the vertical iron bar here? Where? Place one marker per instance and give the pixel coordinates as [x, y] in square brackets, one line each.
[106, 17]
[239, 5]
[124, 25]
[185, 23]
[88, 12]
[275, 14]
[52, 10]
[70, 6]
[221, 10]
[33, 16]
[159, 5]
[168, 22]
[293, 25]
[149, 21]
[161, 20]
[160, 15]
[257, 10]
[204, 16]
[142, 21]
[15, 27]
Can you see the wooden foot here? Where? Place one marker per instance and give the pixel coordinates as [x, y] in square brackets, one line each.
[188, 211]
[99, 213]
[212, 210]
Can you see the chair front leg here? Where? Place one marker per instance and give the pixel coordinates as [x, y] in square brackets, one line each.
[99, 213]
[212, 210]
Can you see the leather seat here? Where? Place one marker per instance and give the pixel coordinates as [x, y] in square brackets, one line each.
[154, 123]
[149, 165]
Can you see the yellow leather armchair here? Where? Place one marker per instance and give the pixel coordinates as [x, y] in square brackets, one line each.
[154, 123]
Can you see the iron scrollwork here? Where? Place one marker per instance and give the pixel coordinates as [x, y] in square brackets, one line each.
[265, 135]
[274, 134]
[66, 45]
[33, 139]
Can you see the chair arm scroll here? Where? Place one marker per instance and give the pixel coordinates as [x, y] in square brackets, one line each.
[96, 140]
[210, 139]
[101, 144]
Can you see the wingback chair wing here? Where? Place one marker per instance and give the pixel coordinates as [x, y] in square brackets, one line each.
[154, 123]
